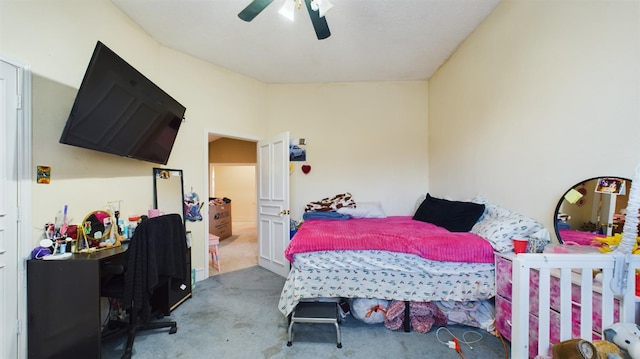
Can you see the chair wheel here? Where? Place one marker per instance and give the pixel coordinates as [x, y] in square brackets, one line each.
[289, 344]
[173, 329]
[339, 345]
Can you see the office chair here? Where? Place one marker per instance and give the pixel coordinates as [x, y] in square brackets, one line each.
[157, 252]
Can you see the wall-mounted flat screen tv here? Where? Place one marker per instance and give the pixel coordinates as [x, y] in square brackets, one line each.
[119, 111]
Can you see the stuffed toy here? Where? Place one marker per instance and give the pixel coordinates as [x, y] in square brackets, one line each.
[626, 336]
[607, 350]
[574, 349]
[192, 207]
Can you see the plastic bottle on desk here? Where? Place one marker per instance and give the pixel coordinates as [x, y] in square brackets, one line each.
[124, 229]
[133, 223]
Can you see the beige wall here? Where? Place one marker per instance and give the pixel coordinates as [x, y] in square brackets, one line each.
[230, 150]
[238, 183]
[369, 139]
[543, 95]
[56, 39]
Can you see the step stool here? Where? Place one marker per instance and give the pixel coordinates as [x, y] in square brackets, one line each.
[214, 250]
[315, 312]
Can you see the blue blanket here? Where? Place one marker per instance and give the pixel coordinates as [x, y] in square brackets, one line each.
[325, 215]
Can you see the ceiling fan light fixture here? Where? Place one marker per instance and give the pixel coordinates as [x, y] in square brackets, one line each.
[287, 9]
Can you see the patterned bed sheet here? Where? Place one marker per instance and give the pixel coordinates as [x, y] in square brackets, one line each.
[384, 275]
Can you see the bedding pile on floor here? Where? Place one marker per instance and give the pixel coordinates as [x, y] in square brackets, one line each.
[423, 315]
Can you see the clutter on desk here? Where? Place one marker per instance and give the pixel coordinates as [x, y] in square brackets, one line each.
[132, 225]
[57, 238]
[44, 249]
[99, 229]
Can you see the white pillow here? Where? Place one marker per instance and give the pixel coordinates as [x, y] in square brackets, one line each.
[499, 226]
[364, 210]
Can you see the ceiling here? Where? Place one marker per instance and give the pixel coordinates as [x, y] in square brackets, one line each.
[371, 40]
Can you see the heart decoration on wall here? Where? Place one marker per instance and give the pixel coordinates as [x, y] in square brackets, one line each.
[306, 169]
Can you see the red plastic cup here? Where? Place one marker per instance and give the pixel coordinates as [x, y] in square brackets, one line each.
[520, 245]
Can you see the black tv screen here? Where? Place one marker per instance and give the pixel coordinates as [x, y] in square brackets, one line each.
[120, 111]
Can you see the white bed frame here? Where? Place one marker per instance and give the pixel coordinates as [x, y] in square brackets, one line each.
[565, 264]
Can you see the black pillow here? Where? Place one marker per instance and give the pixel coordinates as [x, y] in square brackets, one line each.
[456, 216]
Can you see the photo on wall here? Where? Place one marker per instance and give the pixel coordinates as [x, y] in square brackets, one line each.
[611, 186]
[297, 150]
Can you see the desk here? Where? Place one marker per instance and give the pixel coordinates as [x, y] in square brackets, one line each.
[63, 303]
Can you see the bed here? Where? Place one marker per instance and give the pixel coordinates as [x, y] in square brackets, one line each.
[361, 263]
[400, 258]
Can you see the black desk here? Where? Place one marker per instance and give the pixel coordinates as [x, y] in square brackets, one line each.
[63, 303]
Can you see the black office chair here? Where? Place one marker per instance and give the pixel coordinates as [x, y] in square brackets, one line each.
[157, 252]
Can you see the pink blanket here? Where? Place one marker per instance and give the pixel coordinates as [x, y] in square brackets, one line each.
[583, 238]
[394, 234]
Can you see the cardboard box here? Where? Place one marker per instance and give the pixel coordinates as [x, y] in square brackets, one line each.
[220, 220]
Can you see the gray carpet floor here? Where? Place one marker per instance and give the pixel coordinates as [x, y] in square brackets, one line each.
[235, 315]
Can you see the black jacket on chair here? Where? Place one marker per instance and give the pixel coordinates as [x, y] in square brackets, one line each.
[157, 250]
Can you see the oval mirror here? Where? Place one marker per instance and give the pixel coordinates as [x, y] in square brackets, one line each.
[592, 208]
[96, 226]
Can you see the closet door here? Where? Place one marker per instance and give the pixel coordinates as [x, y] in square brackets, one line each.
[9, 108]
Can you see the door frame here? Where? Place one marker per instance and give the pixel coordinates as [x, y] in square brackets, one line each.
[24, 158]
[204, 273]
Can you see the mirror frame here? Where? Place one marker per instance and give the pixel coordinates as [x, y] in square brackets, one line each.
[105, 233]
[159, 196]
[562, 199]
[86, 242]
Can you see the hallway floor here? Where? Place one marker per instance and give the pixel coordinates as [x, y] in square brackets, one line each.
[239, 251]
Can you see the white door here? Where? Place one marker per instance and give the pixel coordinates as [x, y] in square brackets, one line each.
[8, 210]
[608, 210]
[273, 203]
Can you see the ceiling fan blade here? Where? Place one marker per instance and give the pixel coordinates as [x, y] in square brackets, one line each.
[319, 23]
[252, 10]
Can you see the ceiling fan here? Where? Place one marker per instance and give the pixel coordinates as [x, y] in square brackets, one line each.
[315, 8]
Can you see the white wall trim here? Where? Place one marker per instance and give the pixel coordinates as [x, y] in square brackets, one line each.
[24, 194]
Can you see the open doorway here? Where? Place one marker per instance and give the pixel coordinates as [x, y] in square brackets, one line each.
[232, 202]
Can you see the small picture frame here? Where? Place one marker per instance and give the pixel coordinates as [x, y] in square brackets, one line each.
[297, 150]
[611, 185]
[43, 174]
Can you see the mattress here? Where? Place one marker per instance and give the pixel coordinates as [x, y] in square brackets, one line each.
[384, 275]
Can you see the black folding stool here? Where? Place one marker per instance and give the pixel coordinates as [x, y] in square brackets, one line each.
[316, 312]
